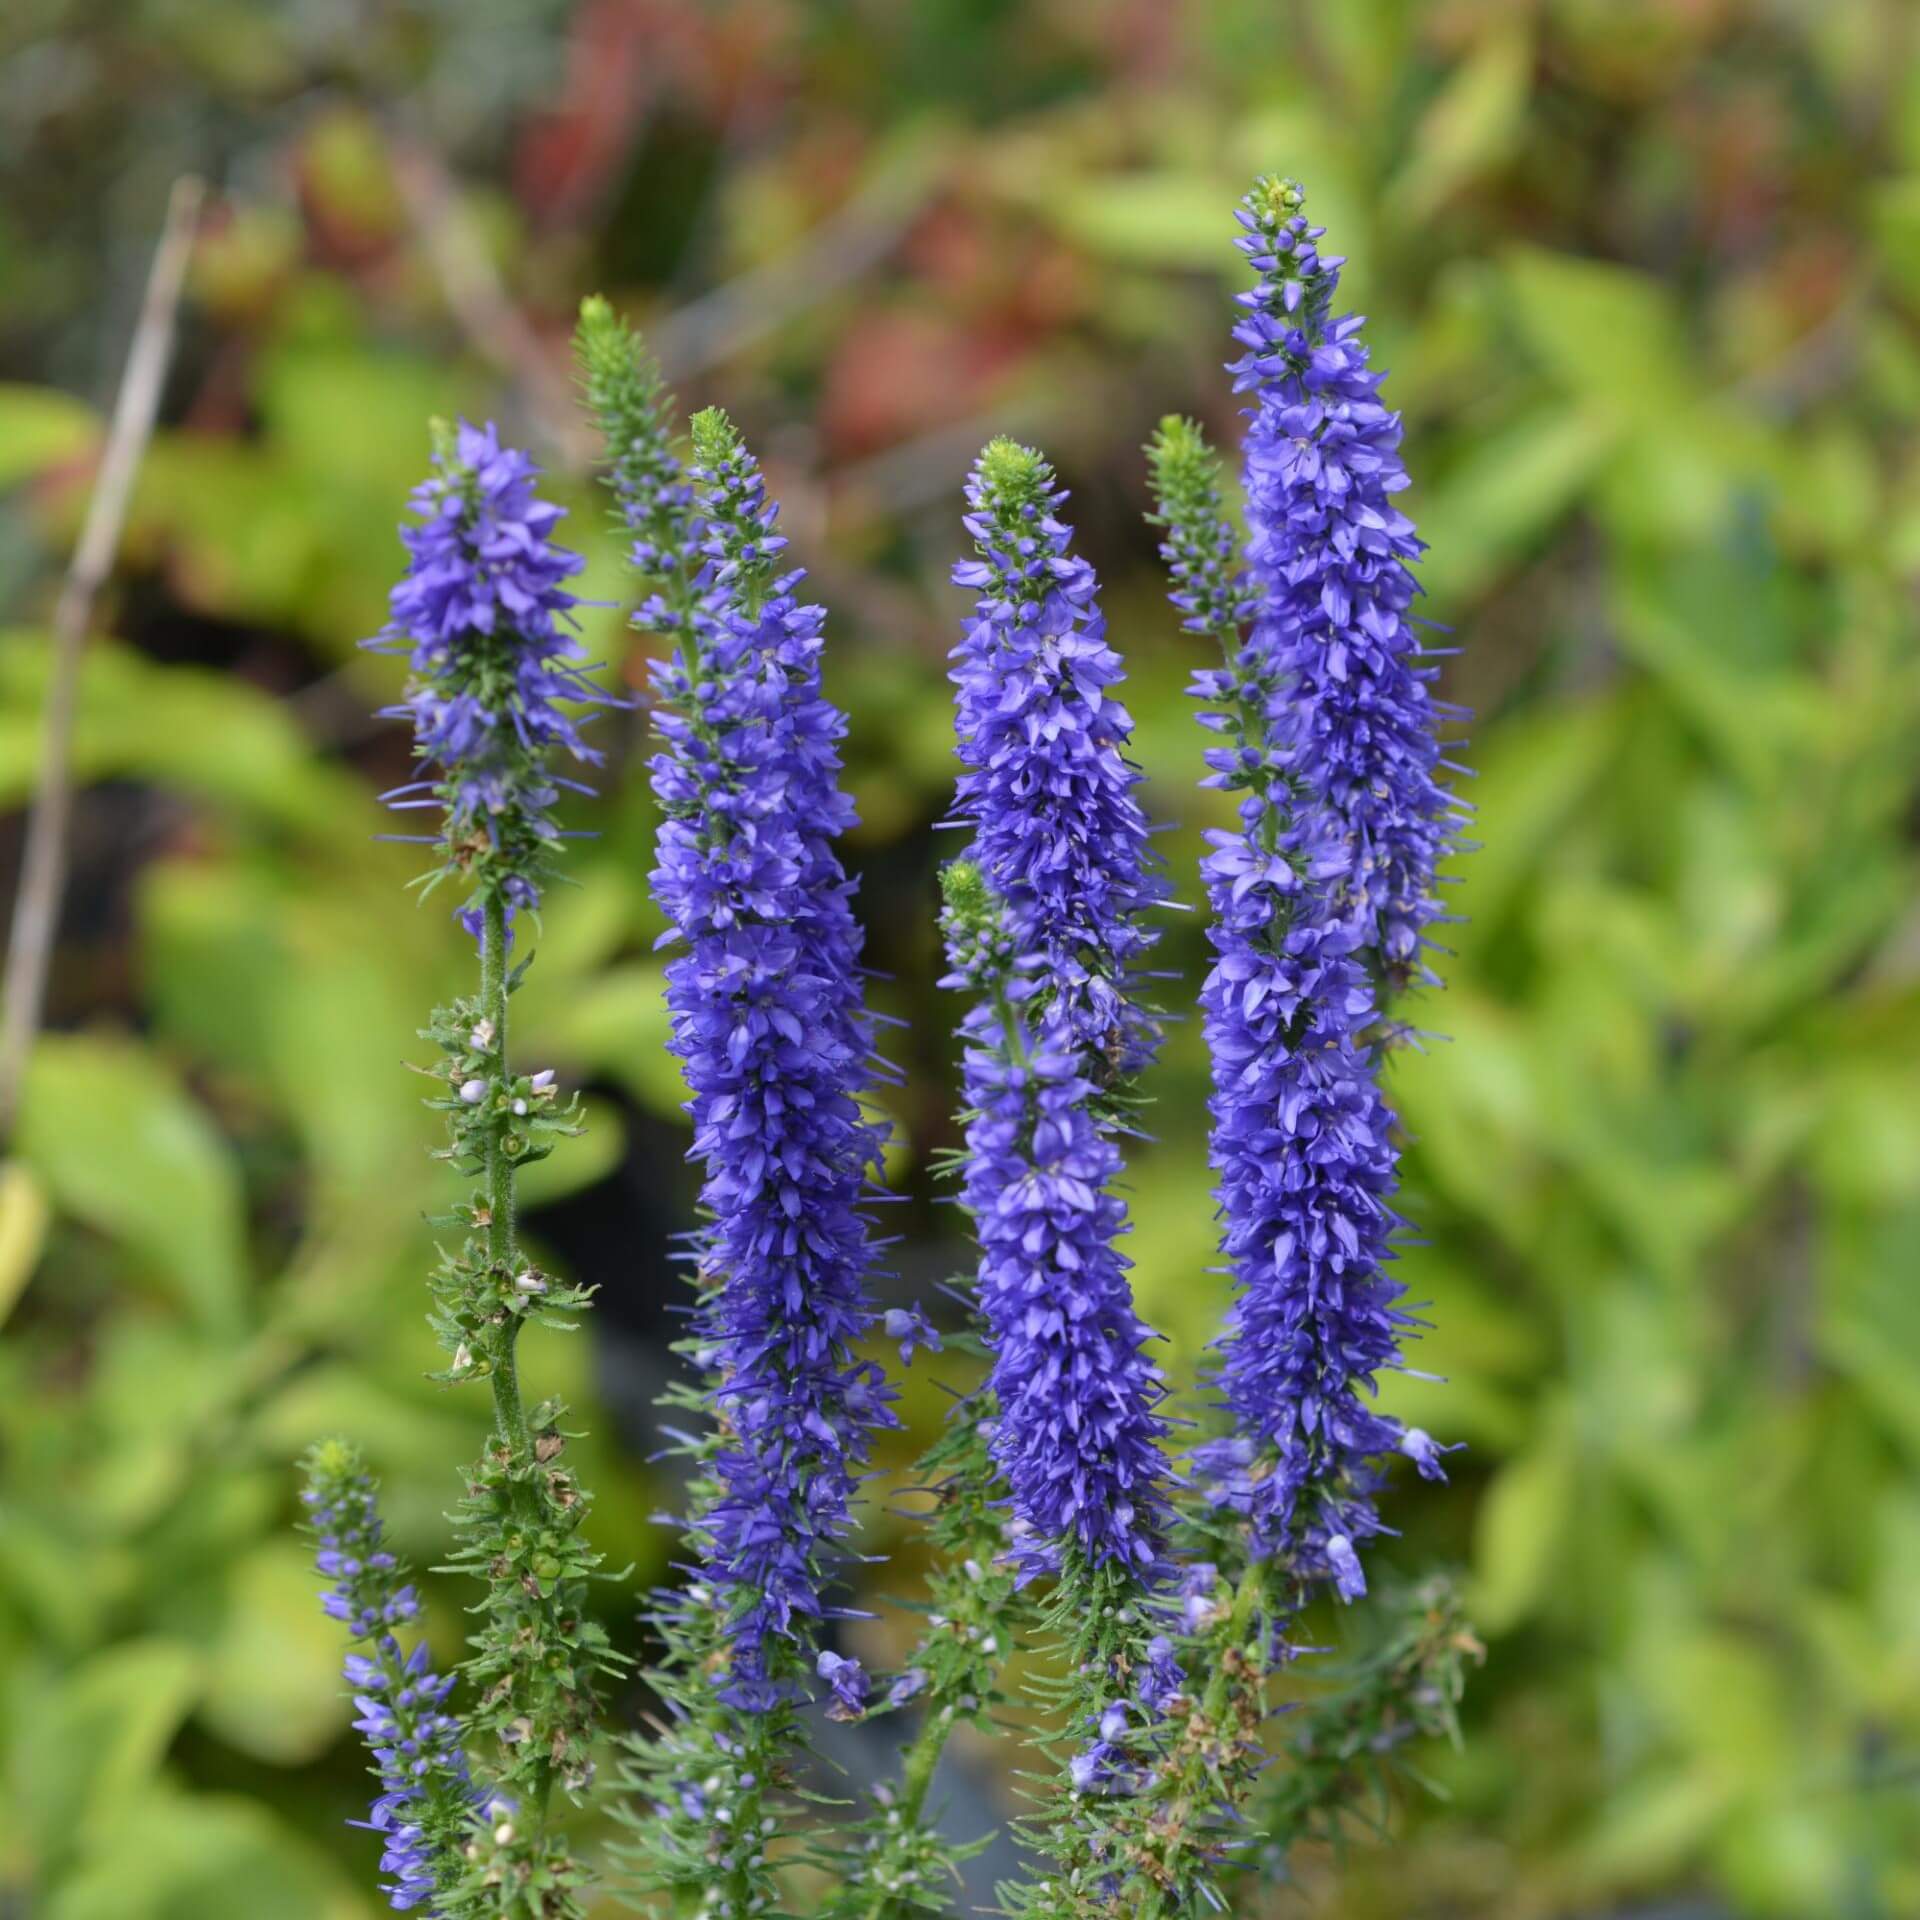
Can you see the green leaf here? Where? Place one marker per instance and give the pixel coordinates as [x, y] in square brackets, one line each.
[1649, 1829]
[1894, 222]
[207, 734]
[23, 1230]
[1700, 623]
[273, 1673]
[209, 1857]
[1473, 125]
[618, 1024]
[577, 1163]
[1522, 1525]
[1529, 782]
[1600, 330]
[1474, 1106]
[95, 1740]
[121, 1147]
[1148, 219]
[41, 427]
[1505, 499]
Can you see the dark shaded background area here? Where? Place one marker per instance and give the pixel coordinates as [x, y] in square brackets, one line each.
[1647, 276]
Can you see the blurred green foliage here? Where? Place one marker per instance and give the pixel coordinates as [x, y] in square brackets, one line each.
[1647, 275]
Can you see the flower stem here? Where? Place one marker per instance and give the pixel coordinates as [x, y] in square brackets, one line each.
[503, 1256]
[501, 1250]
[1208, 1772]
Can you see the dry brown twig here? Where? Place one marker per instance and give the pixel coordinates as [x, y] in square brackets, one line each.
[43, 871]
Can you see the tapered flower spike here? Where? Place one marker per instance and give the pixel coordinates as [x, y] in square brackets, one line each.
[1302, 1138]
[1058, 832]
[1331, 556]
[1303, 1146]
[1046, 924]
[765, 995]
[427, 1810]
[769, 1026]
[482, 617]
[622, 389]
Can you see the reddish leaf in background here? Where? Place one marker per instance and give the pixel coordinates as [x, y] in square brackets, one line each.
[1003, 274]
[620, 54]
[623, 57]
[898, 373]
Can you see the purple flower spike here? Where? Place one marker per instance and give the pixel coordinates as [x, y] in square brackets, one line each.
[768, 1021]
[426, 1800]
[1302, 1139]
[1329, 553]
[1044, 925]
[482, 617]
[1048, 790]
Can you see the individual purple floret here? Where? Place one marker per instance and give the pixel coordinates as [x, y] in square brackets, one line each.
[1076, 1434]
[1048, 790]
[1329, 553]
[765, 999]
[1159, 1685]
[846, 1685]
[426, 1800]
[483, 618]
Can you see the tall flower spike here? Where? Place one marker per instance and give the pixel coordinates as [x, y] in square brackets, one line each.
[1302, 1139]
[699, 1780]
[1058, 832]
[1331, 556]
[766, 1006]
[480, 614]
[426, 1806]
[1045, 927]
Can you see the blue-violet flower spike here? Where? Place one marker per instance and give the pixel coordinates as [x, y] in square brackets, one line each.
[1302, 1140]
[765, 999]
[484, 620]
[1331, 555]
[1076, 1433]
[1048, 790]
[426, 1802]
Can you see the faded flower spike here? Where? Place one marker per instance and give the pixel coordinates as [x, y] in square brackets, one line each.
[426, 1805]
[481, 615]
[1330, 556]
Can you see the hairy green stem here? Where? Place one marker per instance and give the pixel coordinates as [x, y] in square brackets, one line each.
[508, 1412]
[1196, 1776]
[503, 1254]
